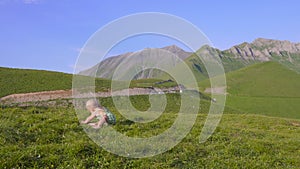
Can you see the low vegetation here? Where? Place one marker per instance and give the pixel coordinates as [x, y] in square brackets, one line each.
[26, 80]
[51, 137]
[267, 88]
[43, 137]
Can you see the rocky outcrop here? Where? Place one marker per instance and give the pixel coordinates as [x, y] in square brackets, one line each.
[264, 50]
[236, 57]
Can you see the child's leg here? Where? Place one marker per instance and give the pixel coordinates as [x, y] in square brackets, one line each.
[101, 122]
[92, 124]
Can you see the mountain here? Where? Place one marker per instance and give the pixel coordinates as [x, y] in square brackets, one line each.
[106, 68]
[234, 58]
[182, 54]
[230, 63]
[261, 50]
[264, 50]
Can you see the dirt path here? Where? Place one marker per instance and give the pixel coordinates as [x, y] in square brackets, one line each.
[36, 96]
[67, 94]
[216, 90]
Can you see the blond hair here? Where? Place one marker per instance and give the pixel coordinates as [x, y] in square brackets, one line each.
[93, 103]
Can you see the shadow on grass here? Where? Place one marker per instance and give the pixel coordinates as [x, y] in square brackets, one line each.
[126, 122]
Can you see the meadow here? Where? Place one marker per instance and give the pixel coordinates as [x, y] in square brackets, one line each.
[51, 137]
[260, 127]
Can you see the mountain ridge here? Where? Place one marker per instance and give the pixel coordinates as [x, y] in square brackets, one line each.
[236, 57]
[105, 68]
[263, 49]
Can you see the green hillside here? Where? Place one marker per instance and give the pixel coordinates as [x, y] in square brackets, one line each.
[44, 137]
[267, 79]
[26, 80]
[267, 88]
[35, 137]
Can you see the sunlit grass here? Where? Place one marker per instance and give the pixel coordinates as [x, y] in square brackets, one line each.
[37, 137]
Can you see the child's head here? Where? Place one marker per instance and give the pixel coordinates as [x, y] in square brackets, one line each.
[92, 104]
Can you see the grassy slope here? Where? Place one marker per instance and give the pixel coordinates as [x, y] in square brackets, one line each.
[25, 80]
[285, 60]
[52, 138]
[266, 88]
[268, 79]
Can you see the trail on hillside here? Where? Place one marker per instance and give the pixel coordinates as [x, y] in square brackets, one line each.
[67, 94]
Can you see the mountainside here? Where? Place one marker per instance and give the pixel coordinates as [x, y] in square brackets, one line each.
[264, 50]
[106, 68]
[268, 79]
[245, 54]
[239, 56]
[266, 88]
[284, 52]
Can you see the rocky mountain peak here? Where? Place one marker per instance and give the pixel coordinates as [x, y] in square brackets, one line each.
[177, 51]
[264, 49]
[259, 50]
[262, 41]
[172, 48]
[280, 45]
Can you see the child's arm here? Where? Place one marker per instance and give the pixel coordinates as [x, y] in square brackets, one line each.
[101, 122]
[88, 119]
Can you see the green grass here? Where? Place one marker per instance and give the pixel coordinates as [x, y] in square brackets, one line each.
[14, 81]
[271, 106]
[267, 88]
[25, 80]
[268, 79]
[284, 59]
[51, 137]
[43, 137]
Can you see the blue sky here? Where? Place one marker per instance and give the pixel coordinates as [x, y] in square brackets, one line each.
[47, 34]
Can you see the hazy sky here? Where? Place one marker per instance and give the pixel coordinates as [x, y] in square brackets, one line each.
[47, 34]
